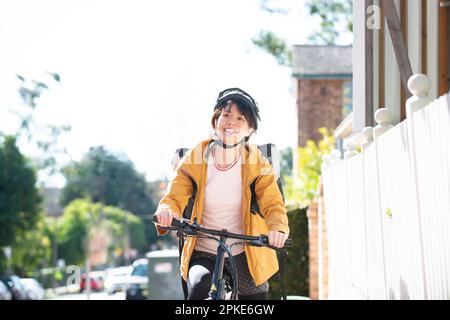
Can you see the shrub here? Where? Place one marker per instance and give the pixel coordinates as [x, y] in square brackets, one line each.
[296, 264]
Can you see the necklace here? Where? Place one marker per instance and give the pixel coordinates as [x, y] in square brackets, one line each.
[223, 168]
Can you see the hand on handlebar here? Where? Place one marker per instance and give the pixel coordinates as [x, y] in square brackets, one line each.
[277, 239]
[164, 216]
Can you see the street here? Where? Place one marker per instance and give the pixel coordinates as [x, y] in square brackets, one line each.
[92, 296]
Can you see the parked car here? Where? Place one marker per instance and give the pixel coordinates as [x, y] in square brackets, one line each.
[15, 287]
[137, 288]
[96, 280]
[33, 289]
[5, 294]
[117, 279]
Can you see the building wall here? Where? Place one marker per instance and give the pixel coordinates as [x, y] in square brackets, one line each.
[319, 104]
[318, 248]
[313, 251]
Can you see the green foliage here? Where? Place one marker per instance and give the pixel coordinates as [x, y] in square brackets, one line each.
[104, 177]
[303, 187]
[272, 7]
[72, 232]
[43, 137]
[19, 198]
[268, 41]
[286, 160]
[33, 249]
[118, 220]
[82, 215]
[296, 264]
[331, 14]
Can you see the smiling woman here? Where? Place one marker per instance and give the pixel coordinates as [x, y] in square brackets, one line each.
[223, 179]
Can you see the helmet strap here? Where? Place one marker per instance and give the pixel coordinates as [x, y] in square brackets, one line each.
[222, 144]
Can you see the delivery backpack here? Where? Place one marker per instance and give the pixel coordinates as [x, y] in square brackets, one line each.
[272, 155]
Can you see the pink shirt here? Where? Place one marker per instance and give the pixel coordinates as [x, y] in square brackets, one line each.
[223, 204]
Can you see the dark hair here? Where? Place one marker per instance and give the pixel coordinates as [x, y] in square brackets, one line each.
[252, 123]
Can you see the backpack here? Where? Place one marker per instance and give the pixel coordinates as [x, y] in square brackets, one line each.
[272, 155]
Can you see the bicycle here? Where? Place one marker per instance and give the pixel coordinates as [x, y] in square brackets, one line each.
[220, 288]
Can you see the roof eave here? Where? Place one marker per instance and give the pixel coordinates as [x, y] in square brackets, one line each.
[319, 76]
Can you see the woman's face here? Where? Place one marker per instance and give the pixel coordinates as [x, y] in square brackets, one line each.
[231, 126]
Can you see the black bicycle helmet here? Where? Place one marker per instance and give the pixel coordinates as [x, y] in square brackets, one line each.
[241, 97]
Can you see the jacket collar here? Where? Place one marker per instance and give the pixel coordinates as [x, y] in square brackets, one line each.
[198, 160]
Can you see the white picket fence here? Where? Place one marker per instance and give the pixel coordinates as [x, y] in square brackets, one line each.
[388, 207]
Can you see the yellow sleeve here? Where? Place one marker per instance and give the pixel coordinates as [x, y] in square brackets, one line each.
[176, 198]
[270, 200]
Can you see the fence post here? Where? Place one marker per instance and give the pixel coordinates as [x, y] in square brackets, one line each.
[418, 85]
[326, 159]
[335, 156]
[367, 138]
[350, 150]
[384, 119]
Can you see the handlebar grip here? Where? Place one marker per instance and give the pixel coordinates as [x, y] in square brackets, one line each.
[175, 222]
[287, 243]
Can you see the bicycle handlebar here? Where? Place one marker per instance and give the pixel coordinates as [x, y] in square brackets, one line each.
[195, 229]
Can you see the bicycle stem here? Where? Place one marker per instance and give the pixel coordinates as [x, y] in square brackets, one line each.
[217, 285]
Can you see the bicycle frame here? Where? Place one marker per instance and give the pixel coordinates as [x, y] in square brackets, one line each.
[217, 291]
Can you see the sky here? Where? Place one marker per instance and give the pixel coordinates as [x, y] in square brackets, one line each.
[141, 77]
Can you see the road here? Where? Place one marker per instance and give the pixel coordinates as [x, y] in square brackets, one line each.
[92, 296]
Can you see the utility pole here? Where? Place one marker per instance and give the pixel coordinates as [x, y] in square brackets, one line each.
[126, 251]
[54, 252]
[88, 253]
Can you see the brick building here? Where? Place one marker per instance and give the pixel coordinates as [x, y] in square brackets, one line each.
[323, 87]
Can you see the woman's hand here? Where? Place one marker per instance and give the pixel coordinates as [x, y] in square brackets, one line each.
[277, 238]
[165, 216]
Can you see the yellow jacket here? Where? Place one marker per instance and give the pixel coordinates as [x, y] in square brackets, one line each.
[262, 261]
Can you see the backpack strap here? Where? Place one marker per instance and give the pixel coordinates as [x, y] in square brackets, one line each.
[272, 157]
[254, 207]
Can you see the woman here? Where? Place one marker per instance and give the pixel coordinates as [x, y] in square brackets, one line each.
[223, 168]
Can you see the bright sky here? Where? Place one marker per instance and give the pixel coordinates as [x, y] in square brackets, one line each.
[141, 77]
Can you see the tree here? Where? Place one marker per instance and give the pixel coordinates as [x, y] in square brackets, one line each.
[302, 188]
[83, 217]
[33, 250]
[104, 177]
[335, 18]
[19, 198]
[43, 137]
[275, 46]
